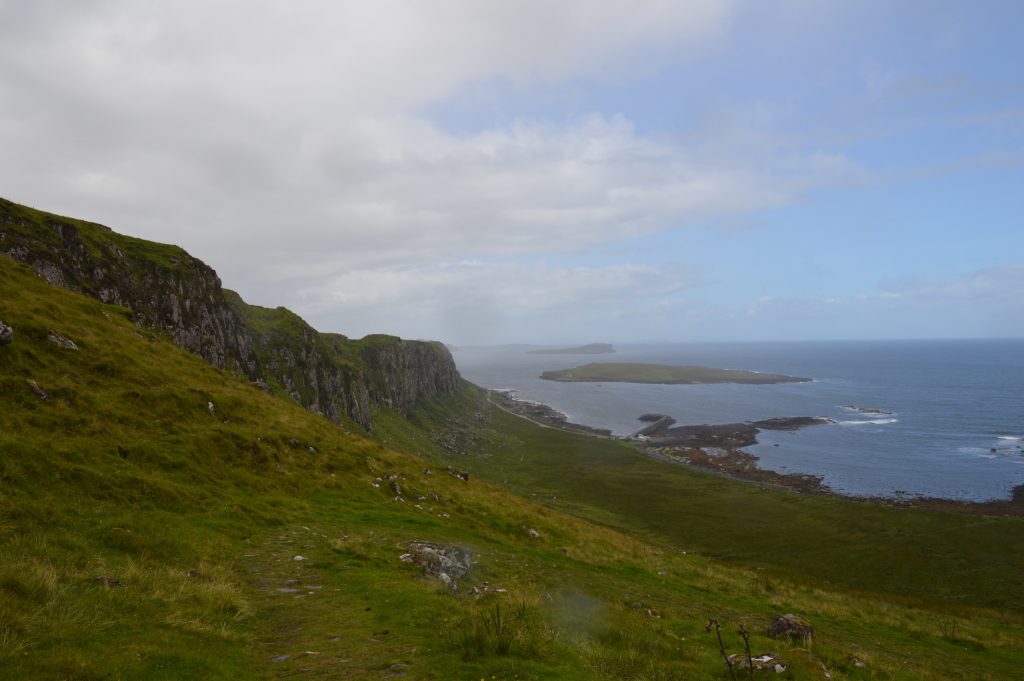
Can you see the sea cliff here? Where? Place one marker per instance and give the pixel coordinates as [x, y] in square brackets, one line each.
[168, 290]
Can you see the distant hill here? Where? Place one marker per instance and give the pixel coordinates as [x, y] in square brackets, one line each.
[590, 349]
[633, 372]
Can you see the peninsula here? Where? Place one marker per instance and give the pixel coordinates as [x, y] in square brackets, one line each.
[631, 372]
[589, 349]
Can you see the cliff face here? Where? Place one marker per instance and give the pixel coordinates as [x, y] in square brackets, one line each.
[167, 289]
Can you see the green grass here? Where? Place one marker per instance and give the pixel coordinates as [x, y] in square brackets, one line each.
[633, 372]
[123, 472]
[953, 560]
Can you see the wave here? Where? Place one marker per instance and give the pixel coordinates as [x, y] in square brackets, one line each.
[1012, 438]
[877, 422]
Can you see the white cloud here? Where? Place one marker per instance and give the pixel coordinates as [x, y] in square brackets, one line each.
[482, 301]
[284, 143]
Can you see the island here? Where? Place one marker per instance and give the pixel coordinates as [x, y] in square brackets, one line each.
[631, 372]
[589, 349]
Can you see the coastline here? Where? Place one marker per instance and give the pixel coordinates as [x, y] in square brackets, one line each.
[718, 449]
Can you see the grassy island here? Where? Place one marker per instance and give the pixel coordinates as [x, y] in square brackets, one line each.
[633, 372]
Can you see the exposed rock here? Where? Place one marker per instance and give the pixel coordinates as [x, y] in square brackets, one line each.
[447, 562]
[461, 475]
[62, 341]
[485, 589]
[36, 390]
[532, 533]
[792, 627]
[213, 409]
[6, 333]
[762, 662]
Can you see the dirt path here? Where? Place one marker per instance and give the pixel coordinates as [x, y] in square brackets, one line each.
[309, 622]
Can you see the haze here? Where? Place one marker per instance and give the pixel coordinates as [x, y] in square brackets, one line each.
[483, 172]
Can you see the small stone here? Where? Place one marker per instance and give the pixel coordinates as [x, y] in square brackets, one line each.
[299, 558]
[62, 341]
[532, 533]
[279, 658]
[209, 405]
[6, 333]
[34, 387]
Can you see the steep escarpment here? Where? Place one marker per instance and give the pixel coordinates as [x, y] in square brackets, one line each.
[169, 290]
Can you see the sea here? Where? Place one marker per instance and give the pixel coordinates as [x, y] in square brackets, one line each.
[939, 418]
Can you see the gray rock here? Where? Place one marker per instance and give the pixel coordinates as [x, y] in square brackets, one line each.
[792, 627]
[36, 390]
[6, 333]
[532, 533]
[762, 662]
[62, 341]
[447, 562]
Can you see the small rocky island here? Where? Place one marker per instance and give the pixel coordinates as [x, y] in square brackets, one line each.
[718, 447]
[589, 349]
[633, 372]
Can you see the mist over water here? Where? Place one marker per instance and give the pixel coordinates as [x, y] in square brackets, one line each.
[949, 404]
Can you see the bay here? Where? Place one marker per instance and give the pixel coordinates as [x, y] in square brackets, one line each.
[954, 427]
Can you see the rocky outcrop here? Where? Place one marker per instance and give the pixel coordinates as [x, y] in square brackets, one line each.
[6, 333]
[167, 289]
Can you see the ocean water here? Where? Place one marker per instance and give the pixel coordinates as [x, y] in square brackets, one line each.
[955, 428]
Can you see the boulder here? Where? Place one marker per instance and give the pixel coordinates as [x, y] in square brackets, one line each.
[6, 333]
[447, 562]
[792, 627]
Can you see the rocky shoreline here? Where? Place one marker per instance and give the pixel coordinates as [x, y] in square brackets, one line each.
[542, 414]
[717, 448]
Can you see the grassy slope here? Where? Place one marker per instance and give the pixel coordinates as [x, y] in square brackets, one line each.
[944, 559]
[124, 472]
[633, 372]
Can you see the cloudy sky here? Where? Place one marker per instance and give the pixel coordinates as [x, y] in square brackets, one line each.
[485, 172]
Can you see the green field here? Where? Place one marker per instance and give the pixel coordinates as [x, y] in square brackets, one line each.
[146, 535]
[633, 372]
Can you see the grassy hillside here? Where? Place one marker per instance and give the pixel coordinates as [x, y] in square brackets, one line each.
[160, 519]
[634, 372]
[945, 560]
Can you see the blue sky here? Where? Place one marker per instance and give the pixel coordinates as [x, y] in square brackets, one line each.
[547, 172]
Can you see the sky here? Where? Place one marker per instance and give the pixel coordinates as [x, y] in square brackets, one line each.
[482, 172]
